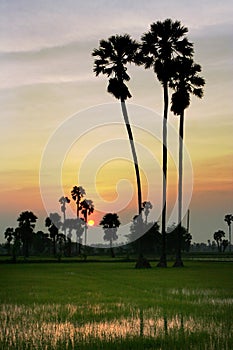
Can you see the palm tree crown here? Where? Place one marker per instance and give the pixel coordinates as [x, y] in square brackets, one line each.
[110, 220]
[185, 81]
[113, 55]
[110, 223]
[228, 218]
[77, 194]
[87, 207]
[161, 45]
[27, 219]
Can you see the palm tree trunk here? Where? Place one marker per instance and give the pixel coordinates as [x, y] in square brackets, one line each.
[163, 258]
[179, 262]
[130, 135]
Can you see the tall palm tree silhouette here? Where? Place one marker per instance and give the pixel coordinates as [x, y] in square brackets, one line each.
[165, 41]
[112, 57]
[185, 81]
[77, 194]
[110, 224]
[229, 218]
[87, 208]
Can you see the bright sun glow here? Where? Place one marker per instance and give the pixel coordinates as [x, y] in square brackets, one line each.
[91, 222]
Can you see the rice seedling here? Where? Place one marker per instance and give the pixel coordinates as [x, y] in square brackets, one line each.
[69, 307]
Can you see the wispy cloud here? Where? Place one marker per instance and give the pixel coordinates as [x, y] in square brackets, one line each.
[28, 25]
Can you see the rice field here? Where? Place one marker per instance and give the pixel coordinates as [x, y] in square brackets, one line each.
[114, 306]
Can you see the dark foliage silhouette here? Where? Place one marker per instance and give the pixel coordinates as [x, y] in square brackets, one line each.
[27, 222]
[76, 225]
[87, 208]
[53, 222]
[218, 237]
[110, 224]
[178, 238]
[77, 194]
[13, 242]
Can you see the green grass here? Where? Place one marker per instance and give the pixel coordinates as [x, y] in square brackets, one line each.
[113, 306]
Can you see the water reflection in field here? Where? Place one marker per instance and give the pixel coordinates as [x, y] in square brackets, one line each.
[53, 324]
[69, 324]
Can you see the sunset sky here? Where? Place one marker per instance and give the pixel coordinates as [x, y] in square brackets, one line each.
[60, 128]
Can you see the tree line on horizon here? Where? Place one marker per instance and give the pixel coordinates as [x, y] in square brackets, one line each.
[58, 241]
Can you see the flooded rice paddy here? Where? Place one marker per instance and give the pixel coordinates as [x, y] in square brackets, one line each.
[70, 326]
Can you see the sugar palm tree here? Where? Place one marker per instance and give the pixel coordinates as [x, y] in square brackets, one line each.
[146, 207]
[13, 236]
[229, 218]
[77, 194]
[27, 221]
[63, 200]
[165, 41]
[112, 56]
[87, 208]
[110, 223]
[79, 226]
[53, 222]
[9, 236]
[218, 237]
[185, 81]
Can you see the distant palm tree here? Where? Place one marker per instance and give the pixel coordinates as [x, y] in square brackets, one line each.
[68, 224]
[229, 218]
[77, 194]
[160, 46]
[13, 236]
[110, 223]
[146, 207]
[112, 57]
[185, 81]
[9, 236]
[53, 222]
[27, 221]
[218, 236]
[79, 226]
[63, 200]
[87, 208]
